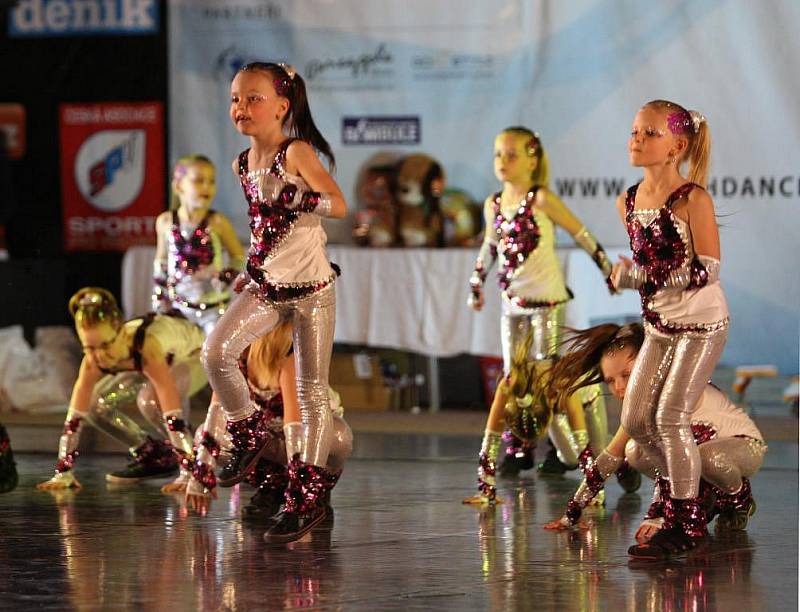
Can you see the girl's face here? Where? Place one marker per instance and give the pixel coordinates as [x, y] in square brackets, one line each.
[103, 344]
[616, 369]
[197, 187]
[651, 143]
[255, 105]
[512, 164]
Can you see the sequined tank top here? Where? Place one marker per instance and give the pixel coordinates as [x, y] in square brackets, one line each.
[287, 257]
[194, 254]
[662, 243]
[529, 273]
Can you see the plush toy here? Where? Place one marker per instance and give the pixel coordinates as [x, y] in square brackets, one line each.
[462, 218]
[376, 222]
[419, 184]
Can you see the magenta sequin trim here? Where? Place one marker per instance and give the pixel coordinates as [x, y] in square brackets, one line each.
[269, 476]
[203, 474]
[517, 237]
[698, 275]
[248, 433]
[688, 514]
[270, 223]
[586, 460]
[307, 483]
[741, 500]
[155, 452]
[210, 443]
[703, 432]
[659, 249]
[192, 253]
[176, 423]
[680, 122]
[67, 463]
[72, 425]
[529, 304]
[573, 512]
[656, 509]
[486, 467]
[594, 480]
[285, 293]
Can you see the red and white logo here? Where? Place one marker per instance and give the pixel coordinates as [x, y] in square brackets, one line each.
[109, 168]
[112, 174]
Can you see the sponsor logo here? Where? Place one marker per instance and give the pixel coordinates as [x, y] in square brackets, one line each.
[266, 11]
[370, 70]
[12, 126]
[453, 66]
[83, 17]
[381, 130]
[109, 168]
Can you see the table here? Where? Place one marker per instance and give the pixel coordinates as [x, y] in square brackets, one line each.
[415, 299]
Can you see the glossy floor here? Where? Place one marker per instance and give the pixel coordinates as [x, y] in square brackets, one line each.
[400, 540]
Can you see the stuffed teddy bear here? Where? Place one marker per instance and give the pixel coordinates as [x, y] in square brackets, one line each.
[419, 184]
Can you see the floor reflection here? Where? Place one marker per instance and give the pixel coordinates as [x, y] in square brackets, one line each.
[400, 540]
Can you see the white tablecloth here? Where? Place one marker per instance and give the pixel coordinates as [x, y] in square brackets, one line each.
[415, 299]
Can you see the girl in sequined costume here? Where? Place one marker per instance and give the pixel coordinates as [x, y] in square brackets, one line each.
[268, 366]
[190, 274]
[152, 361]
[730, 445]
[288, 277]
[675, 243]
[520, 232]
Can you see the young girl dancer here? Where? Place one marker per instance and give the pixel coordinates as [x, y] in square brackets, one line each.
[676, 261]
[520, 233]
[189, 271]
[288, 277]
[268, 366]
[730, 445]
[165, 350]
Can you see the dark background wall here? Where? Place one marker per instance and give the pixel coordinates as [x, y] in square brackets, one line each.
[40, 74]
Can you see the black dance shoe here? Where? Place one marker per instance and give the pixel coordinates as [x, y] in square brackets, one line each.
[513, 463]
[667, 544]
[291, 526]
[153, 459]
[240, 464]
[263, 506]
[552, 465]
[629, 479]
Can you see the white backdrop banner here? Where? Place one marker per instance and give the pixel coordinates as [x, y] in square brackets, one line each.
[403, 76]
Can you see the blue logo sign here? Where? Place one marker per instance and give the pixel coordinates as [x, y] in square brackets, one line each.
[381, 130]
[51, 18]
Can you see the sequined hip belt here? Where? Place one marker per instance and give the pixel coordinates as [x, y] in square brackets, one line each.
[289, 292]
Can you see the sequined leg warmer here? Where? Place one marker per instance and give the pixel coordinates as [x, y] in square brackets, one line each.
[487, 465]
[596, 471]
[210, 441]
[68, 443]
